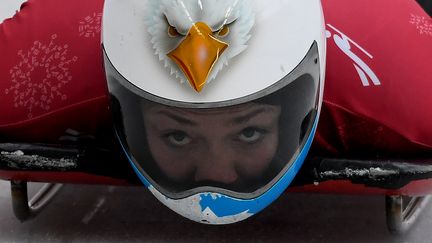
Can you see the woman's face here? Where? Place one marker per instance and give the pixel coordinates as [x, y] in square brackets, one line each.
[227, 145]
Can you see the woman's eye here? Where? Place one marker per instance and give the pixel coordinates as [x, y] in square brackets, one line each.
[224, 31]
[172, 31]
[250, 135]
[178, 138]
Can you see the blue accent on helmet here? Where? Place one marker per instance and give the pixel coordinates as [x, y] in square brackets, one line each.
[222, 205]
[140, 176]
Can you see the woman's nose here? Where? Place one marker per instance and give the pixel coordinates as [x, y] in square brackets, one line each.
[218, 166]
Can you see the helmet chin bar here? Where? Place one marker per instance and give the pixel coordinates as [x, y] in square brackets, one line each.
[200, 207]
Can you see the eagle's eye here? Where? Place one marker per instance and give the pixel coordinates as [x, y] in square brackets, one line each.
[172, 31]
[224, 31]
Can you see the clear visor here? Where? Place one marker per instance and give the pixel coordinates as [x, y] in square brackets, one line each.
[240, 148]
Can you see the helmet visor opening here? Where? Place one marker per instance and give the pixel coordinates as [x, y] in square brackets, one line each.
[240, 149]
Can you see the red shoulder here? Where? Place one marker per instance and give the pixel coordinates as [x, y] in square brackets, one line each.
[378, 74]
[51, 71]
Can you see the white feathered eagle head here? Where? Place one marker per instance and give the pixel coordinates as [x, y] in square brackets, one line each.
[195, 39]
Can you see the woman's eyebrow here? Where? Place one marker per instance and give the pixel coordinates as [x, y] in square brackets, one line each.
[177, 118]
[248, 116]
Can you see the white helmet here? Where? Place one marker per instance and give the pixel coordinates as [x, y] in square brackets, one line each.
[215, 102]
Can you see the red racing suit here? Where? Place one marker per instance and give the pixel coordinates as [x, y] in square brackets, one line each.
[378, 83]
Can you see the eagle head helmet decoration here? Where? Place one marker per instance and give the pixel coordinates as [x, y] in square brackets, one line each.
[195, 39]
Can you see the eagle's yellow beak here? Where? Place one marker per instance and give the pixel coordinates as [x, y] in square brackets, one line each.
[197, 54]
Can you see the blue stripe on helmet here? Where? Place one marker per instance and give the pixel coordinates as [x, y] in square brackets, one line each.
[226, 206]
[222, 205]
